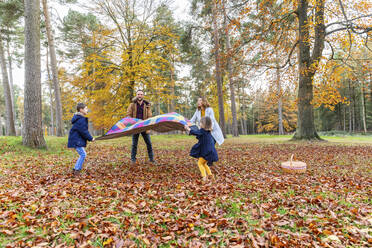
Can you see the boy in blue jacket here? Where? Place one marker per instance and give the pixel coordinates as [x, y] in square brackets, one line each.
[204, 150]
[79, 134]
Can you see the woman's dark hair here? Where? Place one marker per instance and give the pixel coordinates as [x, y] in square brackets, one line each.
[80, 105]
[207, 123]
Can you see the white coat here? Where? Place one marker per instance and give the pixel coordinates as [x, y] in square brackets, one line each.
[216, 130]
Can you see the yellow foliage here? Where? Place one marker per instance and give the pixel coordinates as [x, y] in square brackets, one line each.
[328, 84]
[110, 75]
[267, 108]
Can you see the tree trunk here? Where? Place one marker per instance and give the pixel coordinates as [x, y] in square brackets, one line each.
[240, 106]
[33, 130]
[245, 124]
[363, 109]
[157, 105]
[350, 111]
[280, 107]
[305, 121]
[235, 132]
[344, 110]
[350, 120]
[50, 94]
[218, 69]
[53, 64]
[370, 87]
[253, 122]
[10, 128]
[11, 82]
[243, 120]
[2, 129]
[354, 123]
[173, 88]
[339, 117]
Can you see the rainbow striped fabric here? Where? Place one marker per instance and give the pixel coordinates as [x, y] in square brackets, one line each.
[122, 125]
[160, 123]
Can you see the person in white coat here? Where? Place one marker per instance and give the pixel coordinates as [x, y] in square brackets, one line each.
[204, 109]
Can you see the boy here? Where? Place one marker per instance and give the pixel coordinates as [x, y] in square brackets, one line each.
[79, 134]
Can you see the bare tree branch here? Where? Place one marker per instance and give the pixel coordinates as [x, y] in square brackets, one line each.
[343, 22]
[333, 52]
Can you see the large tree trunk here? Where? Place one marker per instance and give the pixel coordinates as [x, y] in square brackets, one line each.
[33, 130]
[235, 132]
[218, 69]
[53, 64]
[305, 123]
[10, 128]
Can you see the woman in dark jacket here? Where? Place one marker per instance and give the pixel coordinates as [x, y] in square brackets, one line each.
[204, 150]
[79, 135]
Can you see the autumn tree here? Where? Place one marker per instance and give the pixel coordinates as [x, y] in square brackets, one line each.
[10, 12]
[169, 50]
[342, 94]
[76, 32]
[267, 112]
[33, 132]
[126, 57]
[54, 69]
[131, 19]
[317, 23]
[229, 69]
[204, 37]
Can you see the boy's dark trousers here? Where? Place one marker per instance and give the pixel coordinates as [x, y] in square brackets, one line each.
[146, 138]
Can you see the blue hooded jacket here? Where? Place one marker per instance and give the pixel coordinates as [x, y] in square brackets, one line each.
[79, 133]
[205, 147]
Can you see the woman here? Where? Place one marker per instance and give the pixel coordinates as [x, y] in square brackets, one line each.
[204, 109]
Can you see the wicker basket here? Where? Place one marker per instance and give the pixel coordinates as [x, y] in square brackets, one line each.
[294, 166]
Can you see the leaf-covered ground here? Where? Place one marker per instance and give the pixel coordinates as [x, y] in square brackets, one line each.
[252, 203]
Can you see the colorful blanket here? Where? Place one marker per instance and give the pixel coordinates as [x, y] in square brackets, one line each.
[160, 123]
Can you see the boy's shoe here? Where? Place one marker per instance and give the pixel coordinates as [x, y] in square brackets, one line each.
[153, 162]
[133, 162]
[75, 172]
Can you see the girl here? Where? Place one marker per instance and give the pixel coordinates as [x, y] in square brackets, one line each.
[204, 150]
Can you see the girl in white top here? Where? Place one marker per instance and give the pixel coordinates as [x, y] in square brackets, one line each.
[205, 110]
